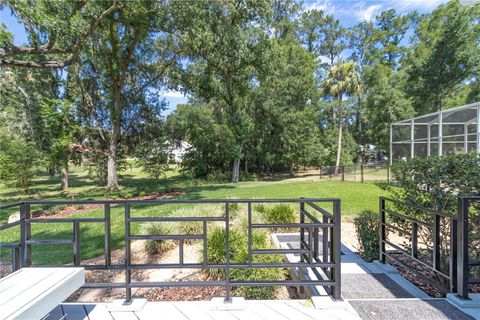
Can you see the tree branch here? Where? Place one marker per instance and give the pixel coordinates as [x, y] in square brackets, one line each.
[48, 48]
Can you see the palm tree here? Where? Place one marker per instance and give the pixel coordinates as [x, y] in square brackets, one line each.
[343, 79]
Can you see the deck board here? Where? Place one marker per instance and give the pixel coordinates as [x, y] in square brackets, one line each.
[74, 312]
[209, 310]
[97, 312]
[192, 311]
[156, 310]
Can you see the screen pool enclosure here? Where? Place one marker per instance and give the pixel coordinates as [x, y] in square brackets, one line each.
[455, 130]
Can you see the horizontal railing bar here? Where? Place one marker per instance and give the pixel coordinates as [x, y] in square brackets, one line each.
[280, 251]
[10, 225]
[11, 205]
[272, 283]
[283, 283]
[178, 201]
[317, 264]
[50, 241]
[417, 260]
[424, 277]
[10, 245]
[474, 264]
[167, 219]
[65, 220]
[164, 237]
[322, 210]
[401, 216]
[292, 225]
[156, 284]
[426, 210]
[139, 284]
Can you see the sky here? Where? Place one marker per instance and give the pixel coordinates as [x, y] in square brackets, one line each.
[349, 12]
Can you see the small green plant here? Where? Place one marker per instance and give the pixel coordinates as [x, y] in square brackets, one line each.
[216, 253]
[260, 207]
[19, 162]
[158, 246]
[367, 226]
[280, 213]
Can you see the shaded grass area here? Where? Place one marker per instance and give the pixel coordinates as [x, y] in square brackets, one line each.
[355, 197]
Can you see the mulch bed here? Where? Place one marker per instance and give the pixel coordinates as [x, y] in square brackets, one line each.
[69, 210]
[418, 281]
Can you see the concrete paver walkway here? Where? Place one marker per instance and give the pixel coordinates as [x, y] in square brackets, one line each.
[377, 291]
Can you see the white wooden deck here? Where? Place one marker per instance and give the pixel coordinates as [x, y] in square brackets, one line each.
[209, 310]
[30, 293]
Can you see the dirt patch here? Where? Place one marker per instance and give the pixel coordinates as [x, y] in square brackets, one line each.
[139, 256]
[71, 209]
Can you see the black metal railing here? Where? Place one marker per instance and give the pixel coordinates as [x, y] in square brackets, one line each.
[448, 261]
[313, 217]
[466, 278]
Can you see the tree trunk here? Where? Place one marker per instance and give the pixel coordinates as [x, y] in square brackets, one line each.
[291, 170]
[64, 181]
[116, 116]
[340, 134]
[236, 170]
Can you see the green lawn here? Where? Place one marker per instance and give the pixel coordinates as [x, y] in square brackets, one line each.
[355, 197]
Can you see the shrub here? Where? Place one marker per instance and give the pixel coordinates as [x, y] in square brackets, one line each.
[154, 163]
[280, 213]
[193, 227]
[239, 254]
[158, 246]
[19, 162]
[260, 207]
[435, 183]
[367, 227]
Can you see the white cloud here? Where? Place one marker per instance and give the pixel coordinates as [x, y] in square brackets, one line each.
[360, 10]
[368, 13]
[411, 5]
[316, 5]
[173, 94]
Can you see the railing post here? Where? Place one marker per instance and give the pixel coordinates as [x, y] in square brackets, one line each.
[249, 233]
[108, 237]
[415, 240]
[382, 229]
[15, 259]
[227, 253]
[343, 173]
[361, 173]
[25, 235]
[453, 255]
[320, 172]
[76, 244]
[436, 241]
[302, 230]
[462, 247]
[336, 251]
[388, 173]
[128, 274]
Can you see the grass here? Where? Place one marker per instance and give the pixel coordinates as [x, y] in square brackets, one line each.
[355, 197]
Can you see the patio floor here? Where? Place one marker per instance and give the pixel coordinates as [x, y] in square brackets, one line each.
[189, 310]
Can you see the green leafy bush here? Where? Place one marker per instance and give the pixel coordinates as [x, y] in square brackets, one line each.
[194, 227]
[216, 253]
[158, 246]
[367, 226]
[280, 213]
[20, 161]
[435, 183]
[154, 163]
